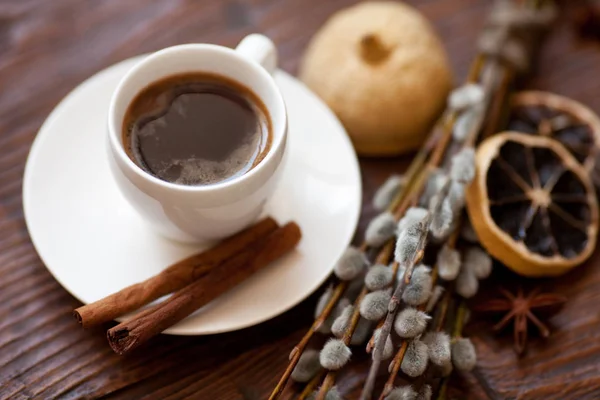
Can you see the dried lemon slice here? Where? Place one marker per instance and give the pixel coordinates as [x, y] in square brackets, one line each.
[532, 204]
[547, 114]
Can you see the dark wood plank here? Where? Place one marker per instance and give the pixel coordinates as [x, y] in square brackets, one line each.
[48, 47]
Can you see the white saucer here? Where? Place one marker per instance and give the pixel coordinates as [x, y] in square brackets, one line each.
[94, 243]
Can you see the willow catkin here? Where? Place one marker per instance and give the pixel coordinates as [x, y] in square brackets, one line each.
[339, 326]
[466, 96]
[468, 121]
[385, 194]
[438, 345]
[419, 289]
[441, 221]
[412, 216]
[464, 356]
[380, 229]
[307, 367]
[379, 277]
[462, 167]
[374, 305]
[466, 283]
[351, 264]
[407, 247]
[448, 263]
[325, 327]
[332, 394]
[415, 359]
[478, 261]
[323, 300]
[402, 393]
[437, 178]
[334, 355]
[410, 322]
[456, 197]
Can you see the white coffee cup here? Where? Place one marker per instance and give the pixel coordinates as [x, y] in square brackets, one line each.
[210, 212]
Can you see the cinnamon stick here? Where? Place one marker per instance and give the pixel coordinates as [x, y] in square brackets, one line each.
[132, 333]
[175, 277]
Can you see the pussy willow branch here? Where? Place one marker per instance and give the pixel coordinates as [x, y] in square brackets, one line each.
[414, 188]
[411, 175]
[502, 74]
[435, 161]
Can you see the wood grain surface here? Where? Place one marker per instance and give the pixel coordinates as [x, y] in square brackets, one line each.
[48, 47]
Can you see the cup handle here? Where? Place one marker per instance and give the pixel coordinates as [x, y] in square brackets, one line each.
[259, 49]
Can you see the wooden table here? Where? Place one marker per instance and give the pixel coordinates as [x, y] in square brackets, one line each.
[48, 47]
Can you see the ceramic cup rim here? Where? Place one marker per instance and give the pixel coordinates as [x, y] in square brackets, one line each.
[278, 128]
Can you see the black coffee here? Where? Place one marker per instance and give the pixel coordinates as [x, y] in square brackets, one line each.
[196, 129]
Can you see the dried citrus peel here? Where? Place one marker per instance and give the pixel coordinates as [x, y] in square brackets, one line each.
[532, 204]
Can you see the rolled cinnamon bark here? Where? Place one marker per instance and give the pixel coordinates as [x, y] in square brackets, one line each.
[175, 277]
[130, 334]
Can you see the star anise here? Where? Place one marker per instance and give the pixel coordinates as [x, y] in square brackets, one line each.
[521, 308]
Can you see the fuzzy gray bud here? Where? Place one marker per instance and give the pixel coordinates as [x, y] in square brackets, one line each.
[478, 261]
[464, 357]
[334, 355]
[436, 180]
[323, 301]
[419, 289]
[362, 332]
[467, 122]
[463, 166]
[466, 283]
[448, 262]
[415, 359]
[375, 304]
[381, 229]
[388, 348]
[425, 393]
[379, 277]
[307, 367]
[386, 192]
[436, 293]
[441, 220]
[410, 322]
[412, 216]
[407, 247]
[325, 327]
[456, 197]
[438, 344]
[352, 263]
[402, 393]
[339, 326]
[465, 96]
[332, 394]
